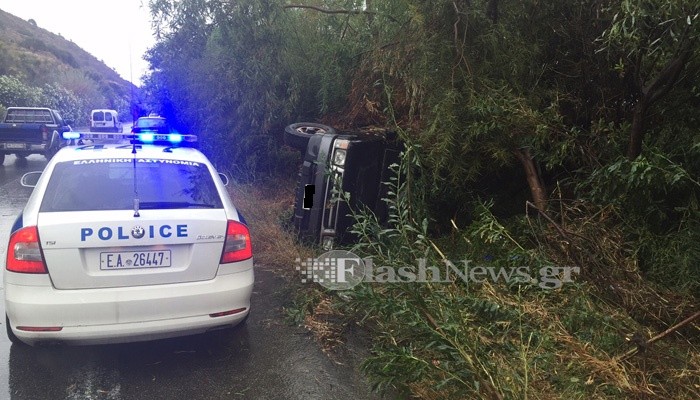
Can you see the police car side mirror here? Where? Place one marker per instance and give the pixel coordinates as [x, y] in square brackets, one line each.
[30, 179]
[224, 178]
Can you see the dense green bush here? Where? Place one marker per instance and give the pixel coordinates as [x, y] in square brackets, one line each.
[589, 107]
[15, 93]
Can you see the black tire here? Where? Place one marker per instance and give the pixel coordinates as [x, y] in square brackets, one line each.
[297, 135]
[2, 159]
[225, 333]
[11, 335]
[51, 151]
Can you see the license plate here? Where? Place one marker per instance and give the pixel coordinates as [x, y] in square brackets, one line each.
[14, 146]
[134, 259]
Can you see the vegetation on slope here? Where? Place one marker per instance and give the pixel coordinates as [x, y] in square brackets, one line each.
[41, 69]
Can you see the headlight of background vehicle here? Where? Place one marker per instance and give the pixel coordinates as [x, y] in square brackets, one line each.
[340, 152]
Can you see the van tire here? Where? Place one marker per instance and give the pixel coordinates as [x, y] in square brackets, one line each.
[297, 135]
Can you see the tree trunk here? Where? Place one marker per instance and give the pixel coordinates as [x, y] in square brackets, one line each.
[634, 148]
[656, 89]
[534, 180]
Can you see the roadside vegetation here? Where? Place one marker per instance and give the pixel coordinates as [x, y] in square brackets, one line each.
[539, 135]
[42, 69]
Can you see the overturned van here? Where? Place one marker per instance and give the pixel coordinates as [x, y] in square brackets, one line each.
[105, 121]
[353, 162]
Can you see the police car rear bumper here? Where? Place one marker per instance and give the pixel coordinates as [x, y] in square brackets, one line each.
[116, 315]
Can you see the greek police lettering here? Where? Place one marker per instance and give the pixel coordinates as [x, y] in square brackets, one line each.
[161, 161]
[122, 233]
[101, 161]
[138, 160]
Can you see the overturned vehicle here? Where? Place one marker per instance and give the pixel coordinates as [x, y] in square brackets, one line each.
[342, 172]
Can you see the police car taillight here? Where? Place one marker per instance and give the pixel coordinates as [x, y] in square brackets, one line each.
[24, 253]
[237, 246]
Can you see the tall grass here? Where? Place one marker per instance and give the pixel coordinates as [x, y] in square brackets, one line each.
[515, 339]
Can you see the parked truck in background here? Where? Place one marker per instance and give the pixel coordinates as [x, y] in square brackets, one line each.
[32, 130]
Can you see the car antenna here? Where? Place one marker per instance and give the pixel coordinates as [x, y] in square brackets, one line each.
[136, 190]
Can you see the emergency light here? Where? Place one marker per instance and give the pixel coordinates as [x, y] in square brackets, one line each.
[172, 139]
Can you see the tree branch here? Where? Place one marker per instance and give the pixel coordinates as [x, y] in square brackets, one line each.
[645, 344]
[667, 77]
[660, 86]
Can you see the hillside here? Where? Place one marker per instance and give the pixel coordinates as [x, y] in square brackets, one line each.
[37, 57]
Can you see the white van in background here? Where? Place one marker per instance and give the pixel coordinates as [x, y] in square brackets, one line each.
[105, 121]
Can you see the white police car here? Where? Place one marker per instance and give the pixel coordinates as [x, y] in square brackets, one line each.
[126, 241]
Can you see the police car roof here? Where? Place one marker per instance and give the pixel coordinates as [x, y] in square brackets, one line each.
[124, 150]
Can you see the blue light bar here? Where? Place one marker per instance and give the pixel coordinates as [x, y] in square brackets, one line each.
[146, 137]
[71, 135]
[173, 139]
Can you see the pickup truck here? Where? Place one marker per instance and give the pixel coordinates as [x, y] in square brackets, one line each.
[32, 130]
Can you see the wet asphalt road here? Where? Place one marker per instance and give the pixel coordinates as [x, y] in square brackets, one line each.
[264, 359]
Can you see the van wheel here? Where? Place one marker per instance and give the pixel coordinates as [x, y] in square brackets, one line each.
[297, 135]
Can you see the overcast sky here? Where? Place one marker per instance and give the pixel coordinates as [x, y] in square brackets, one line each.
[118, 32]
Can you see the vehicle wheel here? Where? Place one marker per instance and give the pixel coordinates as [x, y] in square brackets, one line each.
[2, 159]
[297, 135]
[226, 332]
[243, 321]
[55, 146]
[11, 335]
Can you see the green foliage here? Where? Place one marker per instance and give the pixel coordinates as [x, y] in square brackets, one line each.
[498, 338]
[652, 29]
[50, 71]
[14, 93]
[659, 198]
[468, 84]
[652, 187]
[241, 72]
[458, 338]
[71, 106]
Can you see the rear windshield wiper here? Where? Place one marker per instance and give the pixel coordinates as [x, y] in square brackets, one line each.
[173, 204]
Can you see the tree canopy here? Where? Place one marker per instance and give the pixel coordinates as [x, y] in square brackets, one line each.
[506, 100]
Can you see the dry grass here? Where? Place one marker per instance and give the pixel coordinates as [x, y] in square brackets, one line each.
[668, 369]
[267, 208]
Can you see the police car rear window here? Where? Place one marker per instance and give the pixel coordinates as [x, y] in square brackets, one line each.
[108, 184]
[150, 123]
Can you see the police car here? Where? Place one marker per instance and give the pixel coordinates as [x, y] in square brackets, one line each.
[126, 238]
